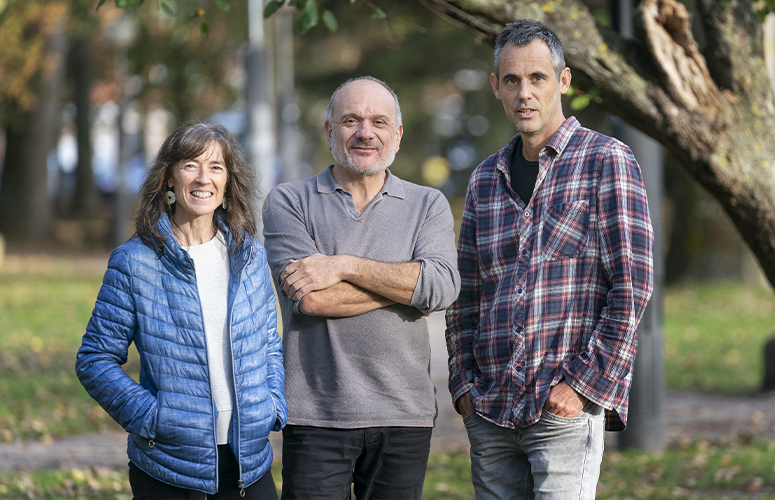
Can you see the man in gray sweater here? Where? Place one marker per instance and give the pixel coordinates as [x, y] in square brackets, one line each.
[360, 257]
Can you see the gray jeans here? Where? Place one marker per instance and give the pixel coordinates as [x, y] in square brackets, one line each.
[556, 458]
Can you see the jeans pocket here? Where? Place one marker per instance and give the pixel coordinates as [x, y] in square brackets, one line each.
[587, 410]
[469, 419]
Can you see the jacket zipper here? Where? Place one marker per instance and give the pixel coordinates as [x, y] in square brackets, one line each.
[235, 413]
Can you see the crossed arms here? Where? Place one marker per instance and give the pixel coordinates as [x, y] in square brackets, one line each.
[343, 285]
[410, 260]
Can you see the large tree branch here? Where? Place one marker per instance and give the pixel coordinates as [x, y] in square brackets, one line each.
[712, 108]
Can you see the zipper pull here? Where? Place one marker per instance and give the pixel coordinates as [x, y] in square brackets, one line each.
[241, 489]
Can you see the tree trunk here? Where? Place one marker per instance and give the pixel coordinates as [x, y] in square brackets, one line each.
[26, 210]
[712, 108]
[81, 70]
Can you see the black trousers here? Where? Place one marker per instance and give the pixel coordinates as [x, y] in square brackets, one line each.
[144, 487]
[382, 463]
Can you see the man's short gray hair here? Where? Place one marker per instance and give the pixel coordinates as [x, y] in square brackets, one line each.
[330, 109]
[523, 32]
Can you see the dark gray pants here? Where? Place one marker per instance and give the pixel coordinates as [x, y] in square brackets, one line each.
[379, 462]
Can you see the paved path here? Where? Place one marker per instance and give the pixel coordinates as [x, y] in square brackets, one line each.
[688, 416]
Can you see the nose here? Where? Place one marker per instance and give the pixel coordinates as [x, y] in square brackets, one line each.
[203, 176]
[524, 92]
[365, 130]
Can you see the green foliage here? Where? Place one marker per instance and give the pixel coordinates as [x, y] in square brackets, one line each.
[311, 16]
[764, 7]
[122, 4]
[581, 99]
[329, 20]
[272, 7]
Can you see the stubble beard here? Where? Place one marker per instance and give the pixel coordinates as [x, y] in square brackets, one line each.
[342, 159]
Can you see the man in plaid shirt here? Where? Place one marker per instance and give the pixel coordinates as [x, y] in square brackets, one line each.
[555, 259]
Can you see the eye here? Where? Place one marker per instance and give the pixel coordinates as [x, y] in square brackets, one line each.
[189, 166]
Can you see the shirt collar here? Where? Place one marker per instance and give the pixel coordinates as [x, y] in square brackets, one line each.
[562, 137]
[327, 184]
[557, 143]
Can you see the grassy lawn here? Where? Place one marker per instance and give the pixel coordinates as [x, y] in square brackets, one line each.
[713, 340]
[693, 472]
[714, 335]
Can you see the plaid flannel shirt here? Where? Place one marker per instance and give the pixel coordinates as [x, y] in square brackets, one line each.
[553, 290]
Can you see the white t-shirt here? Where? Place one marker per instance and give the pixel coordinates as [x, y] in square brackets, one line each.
[211, 262]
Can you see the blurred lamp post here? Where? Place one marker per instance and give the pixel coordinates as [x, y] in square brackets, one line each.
[645, 426]
[122, 33]
[259, 98]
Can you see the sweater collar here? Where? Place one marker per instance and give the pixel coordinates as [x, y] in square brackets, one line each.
[327, 184]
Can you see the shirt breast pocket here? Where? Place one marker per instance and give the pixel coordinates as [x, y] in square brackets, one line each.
[565, 230]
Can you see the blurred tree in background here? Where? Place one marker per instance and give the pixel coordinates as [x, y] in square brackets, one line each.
[66, 68]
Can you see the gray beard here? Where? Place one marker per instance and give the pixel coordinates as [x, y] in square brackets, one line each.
[342, 159]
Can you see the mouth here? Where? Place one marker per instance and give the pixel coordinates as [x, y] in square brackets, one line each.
[202, 195]
[526, 112]
[364, 148]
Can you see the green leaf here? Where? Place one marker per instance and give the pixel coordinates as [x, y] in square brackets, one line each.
[167, 9]
[351, 1]
[579, 102]
[571, 91]
[306, 22]
[204, 29]
[101, 2]
[329, 20]
[378, 13]
[310, 16]
[271, 8]
[222, 4]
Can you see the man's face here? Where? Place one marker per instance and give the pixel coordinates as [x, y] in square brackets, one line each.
[530, 91]
[364, 138]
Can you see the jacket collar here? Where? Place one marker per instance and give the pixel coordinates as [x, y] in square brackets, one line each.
[180, 264]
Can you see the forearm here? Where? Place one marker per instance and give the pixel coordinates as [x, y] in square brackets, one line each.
[341, 300]
[394, 281]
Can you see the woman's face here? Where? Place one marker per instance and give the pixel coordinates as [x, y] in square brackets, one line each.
[199, 184]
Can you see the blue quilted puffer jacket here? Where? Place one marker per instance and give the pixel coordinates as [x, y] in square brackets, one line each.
[170, 415]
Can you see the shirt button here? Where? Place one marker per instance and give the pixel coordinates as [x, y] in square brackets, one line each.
[519, 329]
[524, 252]
[527, 214]
[519, 290]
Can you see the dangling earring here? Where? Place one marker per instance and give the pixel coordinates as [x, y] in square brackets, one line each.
[171, 197]
[223, 203]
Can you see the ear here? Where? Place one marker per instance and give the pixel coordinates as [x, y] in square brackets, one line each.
[565, 80]
[399, 135]
[328, 129]
[494, 85]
